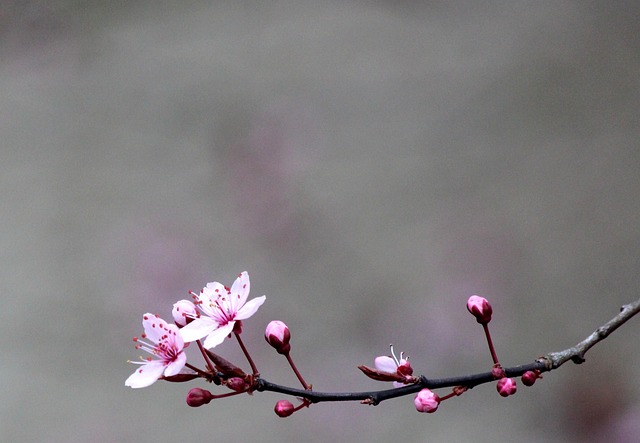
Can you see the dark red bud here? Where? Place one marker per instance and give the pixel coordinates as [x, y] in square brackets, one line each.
[198, 397]
[284, 408]
[530, 377]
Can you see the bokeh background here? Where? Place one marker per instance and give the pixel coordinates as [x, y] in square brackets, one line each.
[371, 164]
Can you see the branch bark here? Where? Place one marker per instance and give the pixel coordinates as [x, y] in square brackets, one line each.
[549, 362]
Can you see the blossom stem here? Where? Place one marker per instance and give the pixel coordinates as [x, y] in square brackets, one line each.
[199, 371]
[210, 364]
[295, 371]
[254, 369]
[490, 342]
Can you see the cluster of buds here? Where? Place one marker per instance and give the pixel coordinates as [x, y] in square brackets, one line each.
[217, 313]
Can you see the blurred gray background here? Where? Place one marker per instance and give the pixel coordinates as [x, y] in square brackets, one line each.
[370, 164]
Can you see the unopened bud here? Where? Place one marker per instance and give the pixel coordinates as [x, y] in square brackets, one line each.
[277, 335]
[530, 377]
[426, 401]
[198, 397]
[480, 308]
[183, 312]
[506, 387]
[284, 408]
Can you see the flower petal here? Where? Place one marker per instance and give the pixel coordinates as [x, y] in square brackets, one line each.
[154, 327]
[176, 366]
[209, 296]
[198, 328]
[385, 364]
[145, 375]
[177, 339]
[216, 337]
[213, 290]
[240, 291]
[250, 308]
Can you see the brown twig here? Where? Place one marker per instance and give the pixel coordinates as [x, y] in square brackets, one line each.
[547, 363]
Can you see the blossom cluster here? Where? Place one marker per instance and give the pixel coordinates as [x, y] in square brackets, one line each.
[217, 313]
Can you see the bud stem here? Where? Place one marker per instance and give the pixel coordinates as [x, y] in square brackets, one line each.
[254, 369]
[295, 371]
[199, 371]
[490, 342]
[210, 364]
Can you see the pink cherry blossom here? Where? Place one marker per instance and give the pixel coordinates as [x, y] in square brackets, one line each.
[220, 309]
[393, 365]
[165, 343]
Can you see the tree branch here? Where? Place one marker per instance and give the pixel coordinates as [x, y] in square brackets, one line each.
[576, 353]
[547, 363]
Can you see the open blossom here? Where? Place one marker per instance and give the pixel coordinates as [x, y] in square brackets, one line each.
[393, 365]
[220, 309]
[164, 342]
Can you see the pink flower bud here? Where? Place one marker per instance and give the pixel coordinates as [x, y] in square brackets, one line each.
[277, 335]
[506, 387]
[198, 397]
[530, 377]
[183, 312]
[426, 401]
[284, 408]
[480, 308]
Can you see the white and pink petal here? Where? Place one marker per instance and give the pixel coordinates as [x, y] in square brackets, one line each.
[145, 375]
[250, 308]
[198, 328]
[216, 337]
